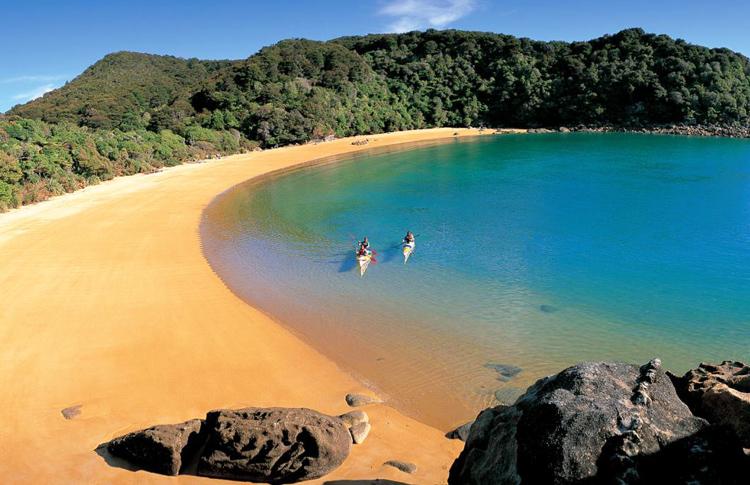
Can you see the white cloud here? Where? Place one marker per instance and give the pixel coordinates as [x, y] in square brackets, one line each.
[34, 93]
[31, 79]
[416, 14]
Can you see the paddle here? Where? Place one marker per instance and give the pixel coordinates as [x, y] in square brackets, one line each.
[402, 242]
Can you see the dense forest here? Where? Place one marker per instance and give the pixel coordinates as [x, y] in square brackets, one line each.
[133, 112]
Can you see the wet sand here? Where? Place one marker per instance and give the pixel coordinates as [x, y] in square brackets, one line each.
[107, 303]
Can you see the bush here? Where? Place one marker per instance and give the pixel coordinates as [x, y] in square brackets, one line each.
[7, 196]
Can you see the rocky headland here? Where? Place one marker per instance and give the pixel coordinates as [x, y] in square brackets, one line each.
[717, 130]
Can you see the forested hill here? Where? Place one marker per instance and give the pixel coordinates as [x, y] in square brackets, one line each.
[631, 77]
[136, 112]
[120, 89]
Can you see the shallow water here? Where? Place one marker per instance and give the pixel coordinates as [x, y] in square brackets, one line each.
[533, 252]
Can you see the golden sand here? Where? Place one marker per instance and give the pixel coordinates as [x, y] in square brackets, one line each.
[107, 302]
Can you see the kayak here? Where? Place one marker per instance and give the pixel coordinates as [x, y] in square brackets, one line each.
[363, 262]
[407, 249]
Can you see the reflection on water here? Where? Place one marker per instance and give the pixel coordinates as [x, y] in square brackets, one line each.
[533, 253]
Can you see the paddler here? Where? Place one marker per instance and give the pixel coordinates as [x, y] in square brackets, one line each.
[364, 245]
[409, 238]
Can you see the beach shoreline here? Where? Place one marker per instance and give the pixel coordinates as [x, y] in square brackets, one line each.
[109, 304]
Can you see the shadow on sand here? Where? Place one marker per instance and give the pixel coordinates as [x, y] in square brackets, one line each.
[112, 461]
[190, 466]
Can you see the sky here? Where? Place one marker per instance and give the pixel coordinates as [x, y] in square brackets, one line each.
[48, 42]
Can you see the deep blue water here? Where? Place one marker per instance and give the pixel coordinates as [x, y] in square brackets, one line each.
[536, 251]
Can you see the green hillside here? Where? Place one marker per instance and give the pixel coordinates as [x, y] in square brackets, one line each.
[134, 112]
[123, 90]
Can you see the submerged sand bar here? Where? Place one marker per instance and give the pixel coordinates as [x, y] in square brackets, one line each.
[107, 303]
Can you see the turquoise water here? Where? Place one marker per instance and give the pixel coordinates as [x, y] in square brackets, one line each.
[533, 251]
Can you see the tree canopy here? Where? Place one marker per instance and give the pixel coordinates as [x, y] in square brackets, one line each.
[134, 112]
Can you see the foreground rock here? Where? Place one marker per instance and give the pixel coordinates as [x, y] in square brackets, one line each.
[271, 445]
[720, 394]
[161, 449]
[591, 421]
[275, 445]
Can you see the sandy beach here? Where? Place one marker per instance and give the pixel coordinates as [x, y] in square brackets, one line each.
[107, 303]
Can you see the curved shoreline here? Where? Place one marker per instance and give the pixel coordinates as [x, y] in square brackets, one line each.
[442, 413]
[108, 303]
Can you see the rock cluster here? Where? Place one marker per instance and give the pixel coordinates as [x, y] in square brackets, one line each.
[603, 423]
[269, 445]
[720, 394]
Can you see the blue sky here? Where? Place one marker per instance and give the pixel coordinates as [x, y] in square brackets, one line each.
[46, 42]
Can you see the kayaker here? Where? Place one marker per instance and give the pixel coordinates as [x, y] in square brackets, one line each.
[365, 244]
[363, 251]
[409, 238]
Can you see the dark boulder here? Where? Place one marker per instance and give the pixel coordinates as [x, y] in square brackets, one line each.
[162, 448]
[720, 394]
[589, 422]
[274, 445]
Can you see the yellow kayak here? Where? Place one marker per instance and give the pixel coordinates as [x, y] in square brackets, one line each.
[407, 249]
[364, 262]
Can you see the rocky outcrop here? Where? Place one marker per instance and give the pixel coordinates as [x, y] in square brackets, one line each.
[269, 445]
[720, 394]
[274, 445]
[590, 422]
[160, 449]
[726, 131]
